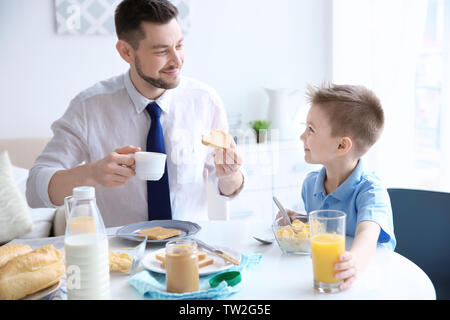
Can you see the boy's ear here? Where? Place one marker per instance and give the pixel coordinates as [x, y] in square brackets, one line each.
[345, 145]
[125, 50]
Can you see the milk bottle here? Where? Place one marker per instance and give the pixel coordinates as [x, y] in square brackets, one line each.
[86, 247]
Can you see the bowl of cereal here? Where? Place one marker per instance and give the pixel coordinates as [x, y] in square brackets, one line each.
[294, 238]
[125, 252]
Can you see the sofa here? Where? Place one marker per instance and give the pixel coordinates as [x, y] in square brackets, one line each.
[45, 222]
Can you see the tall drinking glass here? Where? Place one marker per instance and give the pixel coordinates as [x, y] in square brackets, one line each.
[327, 229]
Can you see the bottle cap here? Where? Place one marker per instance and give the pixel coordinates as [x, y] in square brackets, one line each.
[232, 278]
[84, 193]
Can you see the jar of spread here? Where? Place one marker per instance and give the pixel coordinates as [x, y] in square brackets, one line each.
[181, 266]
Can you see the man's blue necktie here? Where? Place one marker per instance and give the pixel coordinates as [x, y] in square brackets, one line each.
[158, 192]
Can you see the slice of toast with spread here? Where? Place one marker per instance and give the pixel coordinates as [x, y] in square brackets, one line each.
[203, 259]
[217, 139]
[159, 233]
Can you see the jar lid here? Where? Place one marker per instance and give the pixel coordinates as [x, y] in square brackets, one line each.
[84, 192]
[232, 278]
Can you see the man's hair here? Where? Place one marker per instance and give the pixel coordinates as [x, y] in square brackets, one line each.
[352, 111]
[131, 13]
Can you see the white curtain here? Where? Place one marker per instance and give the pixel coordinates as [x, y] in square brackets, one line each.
[376, 44]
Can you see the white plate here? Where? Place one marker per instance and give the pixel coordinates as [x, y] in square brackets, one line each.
[42, 293]
[151, 263]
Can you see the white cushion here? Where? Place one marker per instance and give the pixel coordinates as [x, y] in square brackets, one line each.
[42, 217]
[42, 223]
[59, 222]
[20, 177]
[15, 219]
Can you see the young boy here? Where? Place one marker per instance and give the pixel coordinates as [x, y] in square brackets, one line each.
[343, 122]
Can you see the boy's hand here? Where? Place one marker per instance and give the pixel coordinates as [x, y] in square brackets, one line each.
[290, 214]
[363, 247]
[347, 270]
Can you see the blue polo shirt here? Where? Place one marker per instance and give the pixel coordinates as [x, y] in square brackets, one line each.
[362, 197]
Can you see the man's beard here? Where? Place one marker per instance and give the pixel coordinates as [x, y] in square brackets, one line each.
[158, 83]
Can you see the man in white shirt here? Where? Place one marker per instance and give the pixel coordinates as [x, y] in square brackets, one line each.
[105, 124]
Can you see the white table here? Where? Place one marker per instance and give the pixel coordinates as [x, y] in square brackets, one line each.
[387, 276]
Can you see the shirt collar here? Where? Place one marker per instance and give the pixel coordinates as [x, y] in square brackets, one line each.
[318, 186]
[140, 102]
[345, 189]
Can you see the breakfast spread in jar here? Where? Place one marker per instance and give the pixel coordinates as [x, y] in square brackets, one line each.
[181, 263]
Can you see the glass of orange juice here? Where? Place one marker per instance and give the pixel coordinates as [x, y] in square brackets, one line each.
[327, 229]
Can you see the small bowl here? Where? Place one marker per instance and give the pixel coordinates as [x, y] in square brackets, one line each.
[291, 242]
[126, 252]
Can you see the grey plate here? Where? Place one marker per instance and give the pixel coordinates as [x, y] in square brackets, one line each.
[43, 293]
[187, 228]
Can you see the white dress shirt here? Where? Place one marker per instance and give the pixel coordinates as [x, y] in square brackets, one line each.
[111, 114]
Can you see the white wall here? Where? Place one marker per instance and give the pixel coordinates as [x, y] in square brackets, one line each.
[237, 46]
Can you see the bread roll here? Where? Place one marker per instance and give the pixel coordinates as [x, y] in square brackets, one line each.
[31, 272]
[9, 251]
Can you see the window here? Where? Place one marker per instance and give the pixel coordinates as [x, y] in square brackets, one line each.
[431, 98]
[402, 54]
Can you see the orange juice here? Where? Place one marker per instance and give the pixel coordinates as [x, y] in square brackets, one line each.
[326, 249]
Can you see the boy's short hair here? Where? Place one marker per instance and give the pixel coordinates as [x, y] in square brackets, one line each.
[352, 111]
[130, 14]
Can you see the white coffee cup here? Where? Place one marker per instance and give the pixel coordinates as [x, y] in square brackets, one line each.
[150, 165]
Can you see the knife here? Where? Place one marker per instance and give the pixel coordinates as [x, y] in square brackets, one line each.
[217, 252]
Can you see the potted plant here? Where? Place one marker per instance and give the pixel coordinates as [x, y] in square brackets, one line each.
[260, 127]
